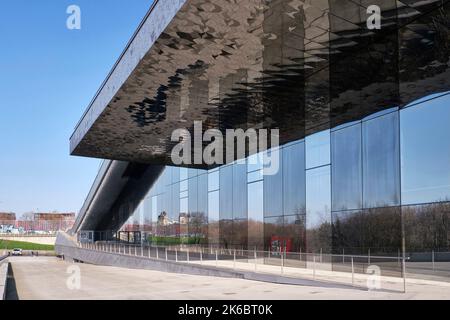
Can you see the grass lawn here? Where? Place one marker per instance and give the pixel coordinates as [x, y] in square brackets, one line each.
[9, 245]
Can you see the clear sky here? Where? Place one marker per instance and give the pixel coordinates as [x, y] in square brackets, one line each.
[48, 76]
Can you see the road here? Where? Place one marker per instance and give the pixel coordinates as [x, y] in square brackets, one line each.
[46, 278]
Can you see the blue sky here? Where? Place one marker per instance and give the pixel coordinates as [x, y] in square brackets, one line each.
[48, 76]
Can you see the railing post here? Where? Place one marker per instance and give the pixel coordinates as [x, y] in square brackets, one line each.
[157, 252]
[282, 263]
[432, 258]
[320, 255]
[234, 259]
[166, 253]
[176, 255]
[404, 274]
[187, 255]
[314, 266]
[369, 257]
[142, 250]
[256, 259]
[343, 256]
[201, 256]
[353, 273]
[217, 258]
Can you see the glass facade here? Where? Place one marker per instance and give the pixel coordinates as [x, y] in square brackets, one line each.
[356, 188]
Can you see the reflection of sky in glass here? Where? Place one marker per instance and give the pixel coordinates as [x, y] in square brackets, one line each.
[213, 180]
[425, 146]
[255, 162]
[155, 208]
[213, 206]
[429, 97]
[184, 205]
[183, 173]
[255, 201]
[318, 196]
[318, 149]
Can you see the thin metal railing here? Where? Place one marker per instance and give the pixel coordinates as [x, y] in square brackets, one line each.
[354, 264]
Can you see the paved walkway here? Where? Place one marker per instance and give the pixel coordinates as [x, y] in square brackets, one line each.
[46, 278]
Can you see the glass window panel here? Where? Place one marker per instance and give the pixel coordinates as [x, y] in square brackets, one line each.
[175, 174]
[213, 180]
[381, 172]
[273, 234]
[192, 172]
[295, 233]
[239, 191]
[183, 185]
[184, 194]
[318, 149]
[240, 233]
[347, 232]
[183, 173]
[226, 192]
[203, 194]
[294, 179]
[255, 176]
[382, 231]
[427, 227]
[425, 152]
[318, 209]
[346, 168]
[175, 195]
[213, 218]
[193, 195]
[273, 192]
[255, 215]
[254, 162]
[148, 214]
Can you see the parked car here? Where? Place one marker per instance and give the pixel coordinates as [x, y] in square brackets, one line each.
[17, 252]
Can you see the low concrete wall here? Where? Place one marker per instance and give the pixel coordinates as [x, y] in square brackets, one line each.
[4, 265]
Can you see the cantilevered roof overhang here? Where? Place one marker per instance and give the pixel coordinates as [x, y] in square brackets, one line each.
[297, 65]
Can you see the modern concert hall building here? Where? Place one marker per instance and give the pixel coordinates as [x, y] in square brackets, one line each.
[363, 116]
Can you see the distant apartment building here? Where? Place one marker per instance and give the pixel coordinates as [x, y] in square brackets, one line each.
[7, 218]
[48, 222]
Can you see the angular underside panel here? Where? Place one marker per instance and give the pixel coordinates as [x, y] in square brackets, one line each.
[299, 66]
